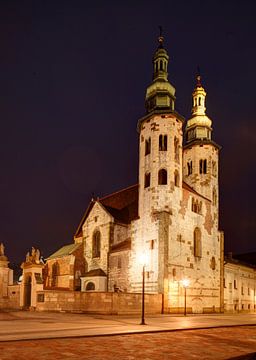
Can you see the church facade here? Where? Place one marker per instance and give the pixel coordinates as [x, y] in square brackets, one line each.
[170, 217]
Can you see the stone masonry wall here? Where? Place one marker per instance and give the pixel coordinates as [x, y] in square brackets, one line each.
[98, 303]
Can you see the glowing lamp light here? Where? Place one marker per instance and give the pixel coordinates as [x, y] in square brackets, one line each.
[143, 259]
[185, 283]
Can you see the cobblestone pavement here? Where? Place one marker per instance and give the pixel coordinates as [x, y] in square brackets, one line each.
[220, 343]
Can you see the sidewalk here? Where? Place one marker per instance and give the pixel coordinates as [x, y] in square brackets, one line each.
[36, 325]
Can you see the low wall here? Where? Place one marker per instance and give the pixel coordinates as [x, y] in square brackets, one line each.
[97, 302]
[12, 300]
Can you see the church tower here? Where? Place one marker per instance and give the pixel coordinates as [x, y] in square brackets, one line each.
[160, 141]
[160, 170]
[201, 153]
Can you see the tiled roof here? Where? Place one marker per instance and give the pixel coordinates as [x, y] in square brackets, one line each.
[122, 205]
[95, 272]
[64, 251]
[189, 188]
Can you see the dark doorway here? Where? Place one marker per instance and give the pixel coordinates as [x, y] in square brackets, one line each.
[27, 292]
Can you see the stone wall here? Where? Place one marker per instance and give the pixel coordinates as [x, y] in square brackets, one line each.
[12, 299]
[99, 303]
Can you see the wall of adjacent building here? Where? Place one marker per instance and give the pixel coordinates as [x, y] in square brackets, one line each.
[239, 288]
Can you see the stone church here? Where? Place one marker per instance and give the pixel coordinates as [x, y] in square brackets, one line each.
[170, 217]
[167, 223]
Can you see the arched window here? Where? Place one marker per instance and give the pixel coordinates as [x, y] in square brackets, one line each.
[176, 178]
[162, 177]
[190, 169]
[147, 180]
[197, 243]
[90, 286]
[147, 146]
[199, 103]
[162, 142]
[213, 263]
[161, 64]
[96, 244]
[202, 166]
[55, 273]
[176, 149]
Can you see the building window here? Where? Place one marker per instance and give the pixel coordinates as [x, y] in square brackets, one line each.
[248, 291]
[196, 206]
[224, 282]
[90, 286]
[202, 166]
[213, 263]
[147, 146]
[190, 169]
[235, 285]
[242, 290]
[147, 180]
[152, 244]
[249, 306]
[162, 142]
[176, 149]
[119, 262]
[162, 177]
[197, 243]
[96, 244]
[176, 178]
[55, 273]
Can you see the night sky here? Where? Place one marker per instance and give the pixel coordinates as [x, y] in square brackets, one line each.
[73, 76]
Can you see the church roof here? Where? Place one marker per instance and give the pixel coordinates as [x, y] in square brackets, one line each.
[189, 188]
[122, 205]
[95, 272]
[64, 251]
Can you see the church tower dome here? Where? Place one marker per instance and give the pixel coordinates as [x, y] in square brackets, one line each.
[160, 94]
[199, 127]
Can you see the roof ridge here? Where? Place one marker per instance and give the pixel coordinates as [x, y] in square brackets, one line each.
[118, 191]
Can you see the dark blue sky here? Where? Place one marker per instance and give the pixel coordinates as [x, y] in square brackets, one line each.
[72, 84]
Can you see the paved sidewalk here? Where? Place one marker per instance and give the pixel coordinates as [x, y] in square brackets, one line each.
[37, 325]
[208, 344]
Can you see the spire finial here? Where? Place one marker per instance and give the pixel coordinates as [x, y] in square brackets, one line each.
[198, 78]
[160, 37]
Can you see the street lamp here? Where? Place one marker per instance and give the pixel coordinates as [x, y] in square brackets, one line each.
[185, 283]
[143, 262]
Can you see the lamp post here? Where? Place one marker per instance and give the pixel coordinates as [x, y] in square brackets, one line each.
[143, 297]
[185, 283]
[143, 261]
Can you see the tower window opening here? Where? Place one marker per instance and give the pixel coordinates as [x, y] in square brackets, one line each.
[176, 178]
[147, 146]
[203, 166]
[162, 142]
[190, 169]
[162, 177]
[176, 149]
[147, 180]
[199, 101]
[161, 64]
[96, 244]
[197, 243]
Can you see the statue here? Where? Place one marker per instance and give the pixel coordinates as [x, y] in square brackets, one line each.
[27, 257]
[1, 249]
[37, 256]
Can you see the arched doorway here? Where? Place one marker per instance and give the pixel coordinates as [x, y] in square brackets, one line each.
[27, 292]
